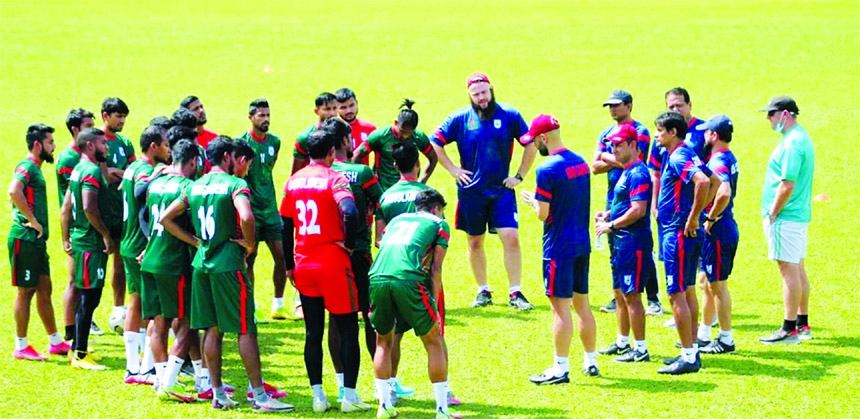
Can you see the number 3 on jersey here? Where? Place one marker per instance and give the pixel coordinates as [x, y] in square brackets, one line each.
[308, 227]
[207, 222]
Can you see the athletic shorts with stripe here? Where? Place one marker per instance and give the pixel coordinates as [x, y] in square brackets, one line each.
[333, 282]
[361, 262]
[29, 262]
[401, 326]
[223, 299]
[681, 259]
[786, 240]
[563, 277]
[90, 269]
[165, 295]
[477, 212]
[632, 269]
[132, 274]
[395, 300]
[718, 250]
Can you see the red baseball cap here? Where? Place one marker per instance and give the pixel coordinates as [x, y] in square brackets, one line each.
[622, 133]
[477, 78]
[542, 124]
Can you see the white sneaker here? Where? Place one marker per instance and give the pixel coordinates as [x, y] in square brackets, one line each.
[321, 405]
[347, 406]
[669, 323]
[272, 405]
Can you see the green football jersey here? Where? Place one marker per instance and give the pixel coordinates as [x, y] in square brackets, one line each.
[406, 251]
[166, 254]
[399, 199]
[87, 176]
[366, 190]
[259, 177]
[380, 142]
[66, 162]
[133, 240]
[213, 215]
[30, 174]
[120, 155]
[301, 147]
[201, 162]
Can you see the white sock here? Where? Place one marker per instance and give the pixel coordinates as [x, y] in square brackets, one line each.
[160, 372]
[198, 371]
[132, 357]
[440, 390]
[704, 332]
[383, 391]
[726, 337]
[482, 288]
[688, 355]
[148, 360]
[622, 341]
[141, 340]
[561, 364]
[205, 380]
[350, 395]
[21, 343]
[318, 391]
[589, 359]
[55, 339]
[277, 303]
[515, 288]
[338, 377]
[174, 364]
[640, 346]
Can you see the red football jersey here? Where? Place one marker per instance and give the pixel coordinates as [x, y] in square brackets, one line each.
[360, 131]
[205, 136]
[311, 198]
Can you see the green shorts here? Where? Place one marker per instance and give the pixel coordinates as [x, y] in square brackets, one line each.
[225, 300]
[116, 233]
[267, 227]
[90, 269]
[396, 301]
[132, 274]
[165, 295]
[29, 262]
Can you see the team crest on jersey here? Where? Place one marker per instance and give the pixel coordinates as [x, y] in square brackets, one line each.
[473, 124]
[363, 136]
[122, 151]
[271, 151]
[628, 279]
[497, 123]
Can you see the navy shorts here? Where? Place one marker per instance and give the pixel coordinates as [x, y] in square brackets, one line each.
[563, 277]
[477, 212]
[680, 258]
[632, 269]
[718, 250]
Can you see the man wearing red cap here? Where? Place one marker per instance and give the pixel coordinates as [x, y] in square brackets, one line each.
[628, 223]
[484, 133]
[562, 201]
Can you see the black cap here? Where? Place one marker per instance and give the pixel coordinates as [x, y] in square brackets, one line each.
[618, 97]
[781, 103]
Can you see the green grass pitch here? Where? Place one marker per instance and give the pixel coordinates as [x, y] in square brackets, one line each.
[557, 57]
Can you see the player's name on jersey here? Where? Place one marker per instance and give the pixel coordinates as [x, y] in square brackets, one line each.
[351, 176]
[76, 176]
[215, 189]
[400, 197]
[308, 183]
[164, 188]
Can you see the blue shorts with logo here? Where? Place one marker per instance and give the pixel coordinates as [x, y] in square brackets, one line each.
[632, 268]
[681, 259]
[719, 248]
[563, 277]
[478, 212]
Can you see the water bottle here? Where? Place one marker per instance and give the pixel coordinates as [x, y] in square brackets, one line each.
[600, 242]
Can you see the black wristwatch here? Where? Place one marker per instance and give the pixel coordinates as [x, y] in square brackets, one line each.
[612, 225]
[518, 177]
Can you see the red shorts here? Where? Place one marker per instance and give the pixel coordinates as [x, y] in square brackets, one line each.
[335, 284]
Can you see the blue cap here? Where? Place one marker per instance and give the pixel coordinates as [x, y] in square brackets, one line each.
[721, 124]
[618, 97]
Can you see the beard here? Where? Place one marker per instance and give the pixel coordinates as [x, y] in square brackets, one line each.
[486, 113]
[262, 127]
[349, 152]
[543, 150]
[708, 148]
[201, 122]
[46, 157]
[100, 156]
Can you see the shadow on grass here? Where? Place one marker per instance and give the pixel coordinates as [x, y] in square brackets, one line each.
[469, 409]
[679, 385]
[805, 366]
[495, 312]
